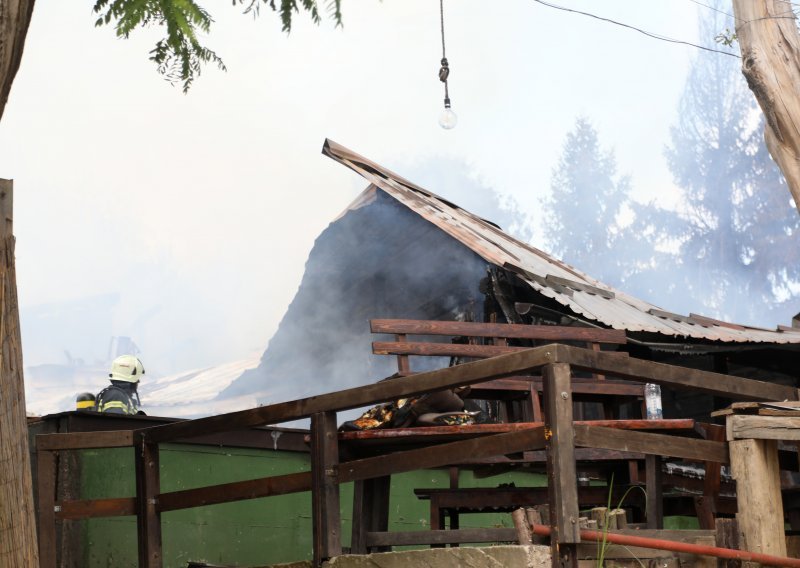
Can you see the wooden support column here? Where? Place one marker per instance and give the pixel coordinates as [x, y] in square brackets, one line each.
[46, 489]
[148, 517]
[561, 474]
[370, 511]
[655, 501]
[754, 466]
[324, 487]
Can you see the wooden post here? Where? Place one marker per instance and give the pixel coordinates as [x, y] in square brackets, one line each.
[655, 502]
[324, 488]
[727, 536]
[148, 518]
[46, 467]
[754, 466]
[370, 511]
[18, 545]
[561, 475]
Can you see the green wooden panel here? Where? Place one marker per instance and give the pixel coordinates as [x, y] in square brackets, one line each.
[246, 533]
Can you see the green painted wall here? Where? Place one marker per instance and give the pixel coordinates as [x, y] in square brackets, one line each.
[246, 533]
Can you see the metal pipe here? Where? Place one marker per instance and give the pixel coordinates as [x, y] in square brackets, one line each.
[673, 546]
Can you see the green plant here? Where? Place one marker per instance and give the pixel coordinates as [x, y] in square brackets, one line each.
[602, 545]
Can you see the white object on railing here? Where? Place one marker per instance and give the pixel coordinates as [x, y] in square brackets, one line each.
[652, 398]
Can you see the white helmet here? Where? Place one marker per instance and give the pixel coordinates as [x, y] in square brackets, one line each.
[126, 368]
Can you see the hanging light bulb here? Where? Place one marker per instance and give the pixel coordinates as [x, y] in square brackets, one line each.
[447, 118]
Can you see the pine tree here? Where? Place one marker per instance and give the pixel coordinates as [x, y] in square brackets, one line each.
[587, 197]
[740, 237]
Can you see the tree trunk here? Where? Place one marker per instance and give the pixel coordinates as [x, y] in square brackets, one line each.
[770, 44]
[15, 17]
[18, 545]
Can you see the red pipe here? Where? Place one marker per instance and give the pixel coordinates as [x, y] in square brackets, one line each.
[673, 546]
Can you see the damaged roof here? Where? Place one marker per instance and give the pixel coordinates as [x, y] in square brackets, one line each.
[547, 275]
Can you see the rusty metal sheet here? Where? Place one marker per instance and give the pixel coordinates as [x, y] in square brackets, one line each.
[547, 275]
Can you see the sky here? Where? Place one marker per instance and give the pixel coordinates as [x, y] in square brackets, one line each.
[184, 221]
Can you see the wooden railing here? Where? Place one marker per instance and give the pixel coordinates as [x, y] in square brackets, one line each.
[558, 436]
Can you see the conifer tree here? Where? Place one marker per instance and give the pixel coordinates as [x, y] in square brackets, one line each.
[587, 196]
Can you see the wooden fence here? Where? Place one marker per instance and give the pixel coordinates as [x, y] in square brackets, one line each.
[559, 436]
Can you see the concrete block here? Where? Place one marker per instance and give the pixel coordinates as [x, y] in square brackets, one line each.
[533, 556]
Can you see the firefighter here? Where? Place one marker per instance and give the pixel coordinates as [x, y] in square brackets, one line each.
[121, 397]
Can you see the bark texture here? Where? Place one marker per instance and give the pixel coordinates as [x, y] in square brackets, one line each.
[18, 545]
[15, 17]
[770, 45]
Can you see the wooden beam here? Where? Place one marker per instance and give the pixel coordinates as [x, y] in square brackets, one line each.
[672, 376]
[561, 475]
[236, 491]
[506, 330]
[93, 508]
[148, 519]
[754, 466]
[649, 443]
[327, 525]
[441, 349]
[654, 490]
[442, 454]
[469, 373]
[370, 511]
[46, 485]
[85, 440]
[763, 427]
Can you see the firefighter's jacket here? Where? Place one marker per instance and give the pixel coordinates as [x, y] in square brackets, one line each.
[118, 398]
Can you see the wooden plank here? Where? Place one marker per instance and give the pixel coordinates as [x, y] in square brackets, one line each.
[85, 440]
[441, 455]
[370, 511]
[236, 491]
[469, 373]
[649, 443]
[580, 385]
[441, 349]
[459, 536]
[46, 490]
[754, 466]
[763, 427]
[653, 487]
[561, 475]
[327, 525]
[487, 429]
[672, 376]
[727, 536]
[505, 330]
[148, 519]
[92, 508]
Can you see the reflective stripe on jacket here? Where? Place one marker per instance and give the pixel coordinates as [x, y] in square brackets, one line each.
[114, 400]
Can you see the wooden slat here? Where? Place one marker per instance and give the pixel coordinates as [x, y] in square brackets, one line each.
[88, 509]
[85, 440]
[326, 523]
[561, 475]
[440, 349]
[505, 330]
[148, 518]
[459, 536]
[236, 491]
[443, 454]
[673, 376]
[763, 427]
[648, 443]
[487, 429]
[46, 485]
[469, 373]
[654, 490]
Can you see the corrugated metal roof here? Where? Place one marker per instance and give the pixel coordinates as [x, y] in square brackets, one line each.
[549, 276]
